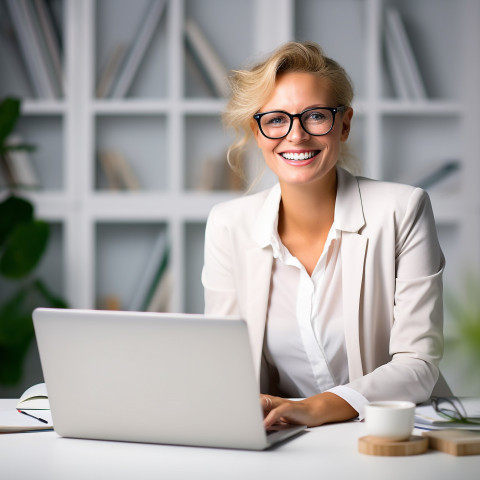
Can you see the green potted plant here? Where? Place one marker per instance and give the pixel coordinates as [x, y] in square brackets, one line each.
[23, 240]
[464, 341]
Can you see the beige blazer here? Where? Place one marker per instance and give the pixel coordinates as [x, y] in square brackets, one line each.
[392, 268]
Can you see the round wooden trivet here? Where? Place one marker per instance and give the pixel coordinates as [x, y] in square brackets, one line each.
[378, 446]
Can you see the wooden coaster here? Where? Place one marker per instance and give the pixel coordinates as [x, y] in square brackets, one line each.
[378, 446]
[454, 442]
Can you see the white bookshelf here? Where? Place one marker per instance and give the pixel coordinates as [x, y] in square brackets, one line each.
[168, 124]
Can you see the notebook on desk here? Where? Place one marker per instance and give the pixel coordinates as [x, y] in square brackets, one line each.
[151, 377]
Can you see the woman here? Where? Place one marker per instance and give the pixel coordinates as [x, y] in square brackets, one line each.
[338, 277]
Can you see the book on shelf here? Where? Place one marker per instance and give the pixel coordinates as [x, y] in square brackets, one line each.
[52, 43]
[152, 276]
[216, 174]
[196, 76]
[132, 60]
[158, 295]
[110, 71]
[406, 78]
[439, 174]
[436, 174]
[6, 172]
[29, 27]
[17, 166]
[160, 301]
[118, 171]
[206, 58]
[399, 81]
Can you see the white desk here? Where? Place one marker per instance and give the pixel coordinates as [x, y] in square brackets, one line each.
[327, 452]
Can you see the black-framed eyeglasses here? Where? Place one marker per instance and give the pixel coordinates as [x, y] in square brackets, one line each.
[453, 409]
[316, 121]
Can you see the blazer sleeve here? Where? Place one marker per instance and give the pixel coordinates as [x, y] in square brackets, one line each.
[217, 274]
[416, 334]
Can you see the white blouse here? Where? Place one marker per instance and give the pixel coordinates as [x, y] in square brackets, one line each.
[304, 338]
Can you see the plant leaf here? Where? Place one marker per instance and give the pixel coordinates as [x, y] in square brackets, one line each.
[9, 113]
[11, 362]
[24, 248]
[13, 210]
[16, 334]
[12, 332]
[16, 328]
[51, 298]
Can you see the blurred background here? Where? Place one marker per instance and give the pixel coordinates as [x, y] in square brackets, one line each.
[122, 103]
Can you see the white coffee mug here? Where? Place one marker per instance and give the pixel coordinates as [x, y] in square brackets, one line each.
[390, 420]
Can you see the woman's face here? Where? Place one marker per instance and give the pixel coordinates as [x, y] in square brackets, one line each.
[294, 93]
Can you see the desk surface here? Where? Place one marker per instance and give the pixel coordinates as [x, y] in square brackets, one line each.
[329, 451]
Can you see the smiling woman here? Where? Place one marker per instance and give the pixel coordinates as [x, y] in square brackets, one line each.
[252, 88]
[338, 277]
[287, 144]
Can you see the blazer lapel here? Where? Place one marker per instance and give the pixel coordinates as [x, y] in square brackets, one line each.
[353, 256]
[350, 219]
[258, 269]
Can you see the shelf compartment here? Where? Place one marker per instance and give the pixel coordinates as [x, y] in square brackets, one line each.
[323, 22]
[46, 133]
[118, 23]
[225, 31]
[14, 80]
[124, 251]
[407, 142]
[425, 24]
[206, 146]
[141, 140]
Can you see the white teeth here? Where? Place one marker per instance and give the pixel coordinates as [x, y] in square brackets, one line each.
[298, 156]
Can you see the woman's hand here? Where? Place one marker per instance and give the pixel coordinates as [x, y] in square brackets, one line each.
[313, 411]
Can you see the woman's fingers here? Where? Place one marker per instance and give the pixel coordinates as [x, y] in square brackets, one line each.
[313, 411]
[276, 410]
[267, 403]
[287, 412]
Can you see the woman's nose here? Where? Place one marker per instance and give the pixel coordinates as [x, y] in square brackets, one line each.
[297, 132]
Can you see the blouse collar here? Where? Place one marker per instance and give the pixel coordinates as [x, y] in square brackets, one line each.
[348, 211]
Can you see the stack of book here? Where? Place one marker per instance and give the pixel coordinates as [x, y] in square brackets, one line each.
[39, 43]
[17, 167]
[154, 288]
[118, 171]
[403, 67]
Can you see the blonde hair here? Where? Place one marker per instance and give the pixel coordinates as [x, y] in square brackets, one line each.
[251, 88]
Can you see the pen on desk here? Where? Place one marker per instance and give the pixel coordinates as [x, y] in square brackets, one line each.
[30, 415]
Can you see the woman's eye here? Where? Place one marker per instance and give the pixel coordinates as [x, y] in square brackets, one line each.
[316, 116]
[280, 120]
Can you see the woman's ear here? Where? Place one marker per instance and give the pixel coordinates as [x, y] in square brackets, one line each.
[255, 129]
[346, 122]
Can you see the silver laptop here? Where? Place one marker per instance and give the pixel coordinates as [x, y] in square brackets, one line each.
[151, 377]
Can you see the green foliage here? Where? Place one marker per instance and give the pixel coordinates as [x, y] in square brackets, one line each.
[23, 241]
[13, 211]
[466, 312]
[24, 248]
[9, 114]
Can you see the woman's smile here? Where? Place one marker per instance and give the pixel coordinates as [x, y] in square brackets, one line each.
[299, 158]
